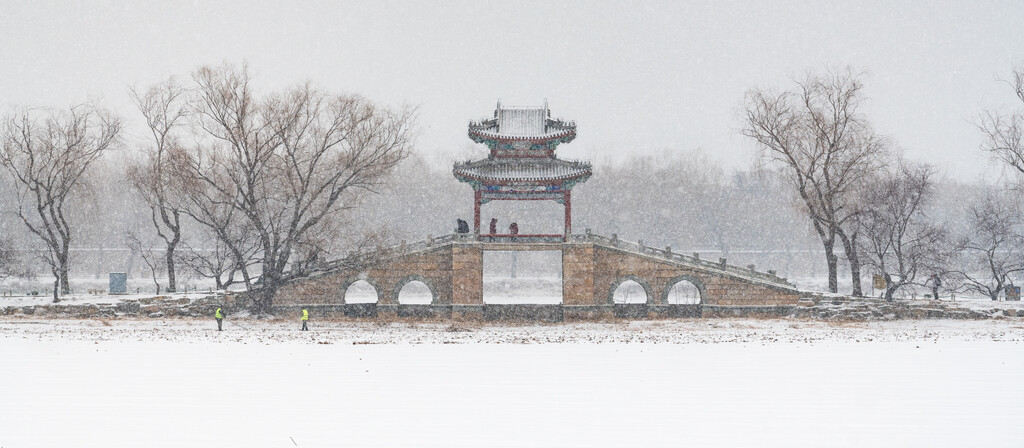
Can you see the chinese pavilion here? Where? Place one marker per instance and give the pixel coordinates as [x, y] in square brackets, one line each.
[522, 164]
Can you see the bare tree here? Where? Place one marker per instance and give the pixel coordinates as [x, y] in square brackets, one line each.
[215, 263]
[287, 162]
[994, 248]
[11, 265]
[234, 245]
[48, 153]
[222, 262]
[899, 240]
[148, 254]
[164, 108]
[820, 142]
[1004, 133]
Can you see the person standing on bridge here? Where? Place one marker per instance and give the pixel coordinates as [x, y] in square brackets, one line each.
[494, 226]
[513, 229]
[219, 315]
[305, 319]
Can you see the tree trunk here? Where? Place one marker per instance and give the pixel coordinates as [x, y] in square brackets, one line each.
[65, 285]
[849, 246]
[102, 261]
[828, 241]
[263, 299]
[890, 289]
[171, 283]
[855, 276]
[833, 269]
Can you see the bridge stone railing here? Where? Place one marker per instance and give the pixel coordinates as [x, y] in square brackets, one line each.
[370, 256]
[668, 254]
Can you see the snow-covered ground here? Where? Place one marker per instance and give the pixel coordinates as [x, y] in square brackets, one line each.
[704, 382]
[79, 299]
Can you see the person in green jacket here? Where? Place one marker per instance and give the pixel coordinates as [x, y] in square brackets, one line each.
[305, 319]
[219, 315]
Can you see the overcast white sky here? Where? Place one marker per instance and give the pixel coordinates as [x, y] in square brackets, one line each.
[638, 77]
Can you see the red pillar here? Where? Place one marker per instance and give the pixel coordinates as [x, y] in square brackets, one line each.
[568, 214]
[476, 212]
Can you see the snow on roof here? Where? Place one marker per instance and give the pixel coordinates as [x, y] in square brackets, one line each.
[522, 121]
[522, 170]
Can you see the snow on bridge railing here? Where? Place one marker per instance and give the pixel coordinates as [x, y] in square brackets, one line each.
[355, 258]
[667, 253]
[373, 255]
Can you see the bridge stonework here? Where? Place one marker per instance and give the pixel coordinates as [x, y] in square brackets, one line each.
[592, 267]
[591, 272]
[432, 267]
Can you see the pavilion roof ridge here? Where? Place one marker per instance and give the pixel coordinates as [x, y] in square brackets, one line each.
[522, 123]
[522, 107]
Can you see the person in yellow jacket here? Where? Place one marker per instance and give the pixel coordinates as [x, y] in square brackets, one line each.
[219, 315]
[305, 319]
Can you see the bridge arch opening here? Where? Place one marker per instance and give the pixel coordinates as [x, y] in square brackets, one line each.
[512, 277]
[414, 290]
[629, 290]
[361, 291]
[684, 290]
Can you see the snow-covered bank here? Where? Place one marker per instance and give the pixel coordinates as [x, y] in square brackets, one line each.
[653, 383]
[82, 299]
[679, 331]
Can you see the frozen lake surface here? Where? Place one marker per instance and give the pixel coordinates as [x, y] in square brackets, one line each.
[638, 384]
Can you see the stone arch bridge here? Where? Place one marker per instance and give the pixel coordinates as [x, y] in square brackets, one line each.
[592, 268]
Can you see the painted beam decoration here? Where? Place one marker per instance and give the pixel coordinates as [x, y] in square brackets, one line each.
[523, 192]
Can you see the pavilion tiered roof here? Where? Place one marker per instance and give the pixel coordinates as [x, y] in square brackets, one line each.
[522, 128]
[541, 171]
